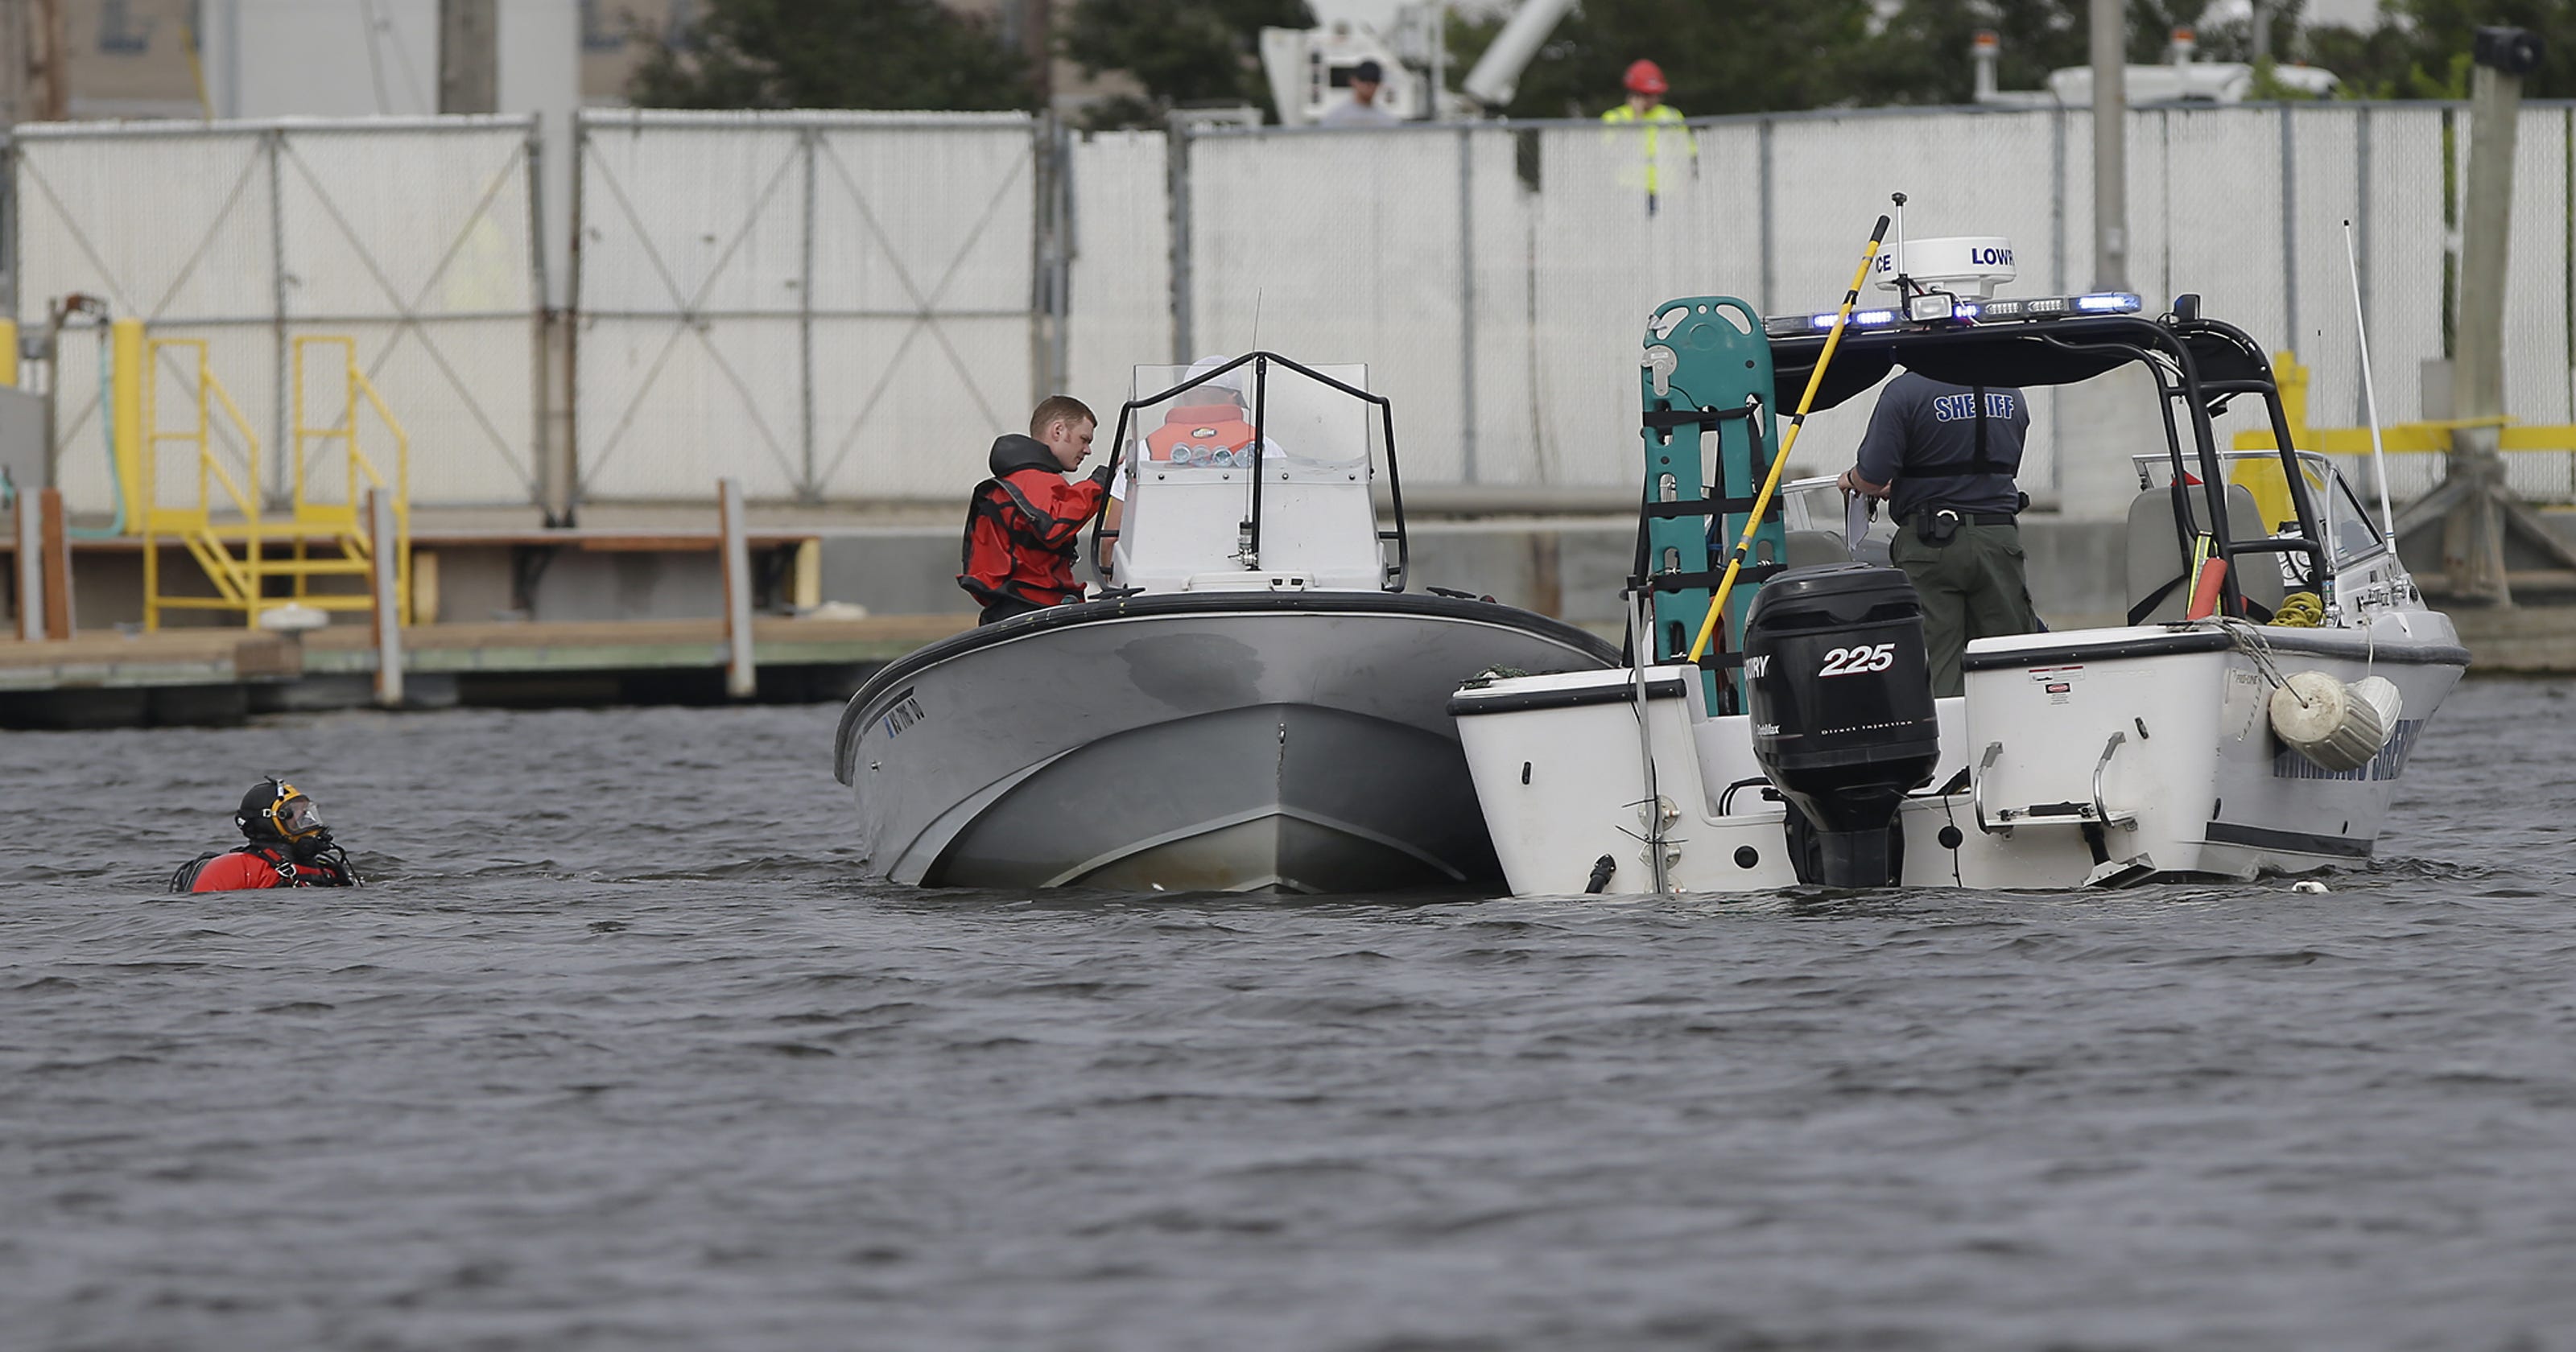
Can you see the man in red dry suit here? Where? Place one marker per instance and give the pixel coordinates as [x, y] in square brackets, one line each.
[1025, 523]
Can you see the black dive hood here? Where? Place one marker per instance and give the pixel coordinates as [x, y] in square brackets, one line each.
[1013, 453]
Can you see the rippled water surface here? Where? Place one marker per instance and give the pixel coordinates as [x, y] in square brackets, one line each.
[614, 1055]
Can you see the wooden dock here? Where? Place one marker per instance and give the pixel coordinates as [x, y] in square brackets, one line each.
[215, 675]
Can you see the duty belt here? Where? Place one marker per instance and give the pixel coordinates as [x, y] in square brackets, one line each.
[1967, 518]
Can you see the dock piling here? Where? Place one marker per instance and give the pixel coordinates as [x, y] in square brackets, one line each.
[741, 680]
[31, 569]
[384, 558]
[56, 550]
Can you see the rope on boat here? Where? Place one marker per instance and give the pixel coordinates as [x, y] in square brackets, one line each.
[2249, 640]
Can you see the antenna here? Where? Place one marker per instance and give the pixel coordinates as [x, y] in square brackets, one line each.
[1256, 317]
[1901, 278]
[2369, 389]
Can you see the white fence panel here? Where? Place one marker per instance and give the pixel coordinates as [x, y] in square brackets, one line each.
[2536, 370]
[2222, 214]
[1121, 294]
[1339, 247]
[1358, 240]
[1509, 421]
[415, 236]
[2403, 239]
[924, 290]
[2325, 193]
[826, 305]
[845, 306]
[1601, 263]
[439, 289]
[691, 283]
[1963, 174]
[172, 227]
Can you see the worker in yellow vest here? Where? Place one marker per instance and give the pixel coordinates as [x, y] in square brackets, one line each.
[1646, 106]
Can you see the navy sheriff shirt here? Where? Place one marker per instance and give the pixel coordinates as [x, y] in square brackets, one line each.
[1921, 423]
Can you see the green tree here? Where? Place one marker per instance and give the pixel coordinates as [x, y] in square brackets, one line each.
[1744, 57]
[1922, 54]
[1184, 52]
[2432, 39]
[832, 54]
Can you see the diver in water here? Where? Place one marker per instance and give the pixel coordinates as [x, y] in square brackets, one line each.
[288, 846]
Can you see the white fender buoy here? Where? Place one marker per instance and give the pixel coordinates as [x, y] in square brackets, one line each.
[2382, 694]
[2337, 726]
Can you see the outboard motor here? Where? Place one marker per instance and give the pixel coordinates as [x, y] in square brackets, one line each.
[1843, 721]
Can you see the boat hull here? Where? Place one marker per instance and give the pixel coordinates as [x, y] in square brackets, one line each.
[1295, 742]
[2088, 758]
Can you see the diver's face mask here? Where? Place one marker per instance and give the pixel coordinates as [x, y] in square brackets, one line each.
[297, 820]
[299, 817]
[300, 821]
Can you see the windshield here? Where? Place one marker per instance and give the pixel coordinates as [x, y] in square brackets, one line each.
[1816, 516]
[2349, 532]
[1307, 423]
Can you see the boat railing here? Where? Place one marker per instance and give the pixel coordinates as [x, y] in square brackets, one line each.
[2199, 365]
[1394, 575]
[2166, 348]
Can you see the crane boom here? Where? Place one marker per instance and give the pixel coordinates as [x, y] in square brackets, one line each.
[1498, 72]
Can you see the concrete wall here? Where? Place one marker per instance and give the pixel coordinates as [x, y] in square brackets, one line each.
[321, 58]
[1569, 567]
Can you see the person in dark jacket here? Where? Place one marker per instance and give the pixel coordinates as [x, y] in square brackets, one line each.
[1025, 523]
[287, 846]
[1944, 457]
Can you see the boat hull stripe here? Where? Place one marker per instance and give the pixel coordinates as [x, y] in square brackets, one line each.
[2293, 842]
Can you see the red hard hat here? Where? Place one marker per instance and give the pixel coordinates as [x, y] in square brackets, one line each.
[1645, 77]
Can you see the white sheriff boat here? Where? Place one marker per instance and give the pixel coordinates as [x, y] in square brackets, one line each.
[2252, 716]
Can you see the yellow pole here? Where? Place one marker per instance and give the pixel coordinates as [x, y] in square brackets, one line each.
[1771, 482]
[809, 574]
[9, 352]
[127, 373]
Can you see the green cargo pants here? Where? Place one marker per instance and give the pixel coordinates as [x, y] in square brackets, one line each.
[1972, 587]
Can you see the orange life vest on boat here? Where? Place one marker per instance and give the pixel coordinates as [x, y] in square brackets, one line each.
[1202, 435]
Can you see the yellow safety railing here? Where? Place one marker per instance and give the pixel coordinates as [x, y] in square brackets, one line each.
[348, 513]
[2396, 438]
[216, 521]
[2406, 438]
[236, 580]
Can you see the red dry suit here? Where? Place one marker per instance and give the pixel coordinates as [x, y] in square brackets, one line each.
[260, 866]
[1023, 526]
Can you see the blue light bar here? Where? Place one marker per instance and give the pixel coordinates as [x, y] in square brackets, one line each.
[2109, 303]
[1985, 312]
[1860, 319]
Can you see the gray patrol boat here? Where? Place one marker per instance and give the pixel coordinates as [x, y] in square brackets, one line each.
[1258, 704]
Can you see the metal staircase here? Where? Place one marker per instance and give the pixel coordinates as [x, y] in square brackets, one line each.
[257, 560]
